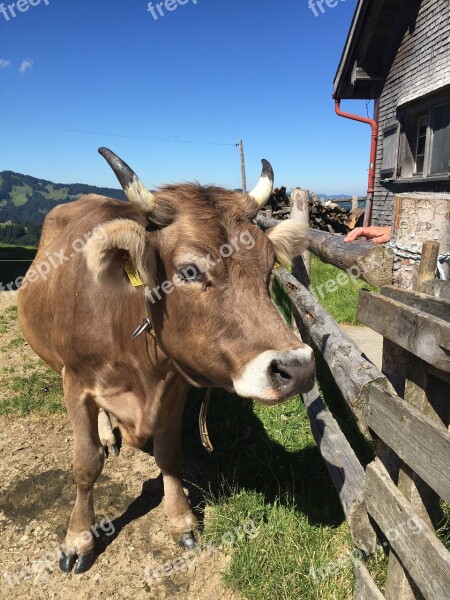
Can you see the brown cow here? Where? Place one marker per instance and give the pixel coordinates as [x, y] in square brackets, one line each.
[205, 270]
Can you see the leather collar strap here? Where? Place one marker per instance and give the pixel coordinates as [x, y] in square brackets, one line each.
[202, 422]
[146, 325]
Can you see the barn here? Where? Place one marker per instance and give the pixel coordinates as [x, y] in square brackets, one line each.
[397, 54]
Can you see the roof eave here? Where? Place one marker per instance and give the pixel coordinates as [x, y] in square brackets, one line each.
[340, 84]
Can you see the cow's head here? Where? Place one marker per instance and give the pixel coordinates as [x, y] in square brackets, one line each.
[207, 271]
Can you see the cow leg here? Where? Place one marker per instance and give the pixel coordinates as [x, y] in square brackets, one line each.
[167, 452]
[88, 459]
[106, 434]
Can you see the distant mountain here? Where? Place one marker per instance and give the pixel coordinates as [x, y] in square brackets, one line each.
[334, 197]
[26, 200]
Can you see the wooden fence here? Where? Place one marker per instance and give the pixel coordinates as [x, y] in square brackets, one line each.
[405, 408]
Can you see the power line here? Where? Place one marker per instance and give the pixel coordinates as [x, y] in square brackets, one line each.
[130, 136]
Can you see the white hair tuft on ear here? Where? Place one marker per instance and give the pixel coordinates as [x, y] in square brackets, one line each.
[290, 239]
[104, 249]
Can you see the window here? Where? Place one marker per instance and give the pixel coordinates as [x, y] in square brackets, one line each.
[426, 141]
[421, 138]
[440, 145]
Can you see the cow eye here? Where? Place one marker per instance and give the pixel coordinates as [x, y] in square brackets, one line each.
[190, 274]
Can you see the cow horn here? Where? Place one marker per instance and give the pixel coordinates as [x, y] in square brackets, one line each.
[134, 189]
[261, 193]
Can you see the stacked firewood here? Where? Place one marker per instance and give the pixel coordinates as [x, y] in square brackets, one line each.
[328, 216]
[324, 215]
[279, 204]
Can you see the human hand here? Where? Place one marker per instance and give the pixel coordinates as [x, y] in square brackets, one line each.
[378, 235]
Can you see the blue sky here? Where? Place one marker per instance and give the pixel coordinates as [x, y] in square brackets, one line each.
[215, 71]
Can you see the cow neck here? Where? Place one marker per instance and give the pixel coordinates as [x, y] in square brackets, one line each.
[147, 327]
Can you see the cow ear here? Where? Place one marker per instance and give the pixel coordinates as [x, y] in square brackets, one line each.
[290, 239]
[117, 247]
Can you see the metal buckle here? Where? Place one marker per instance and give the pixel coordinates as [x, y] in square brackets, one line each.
[146, 324]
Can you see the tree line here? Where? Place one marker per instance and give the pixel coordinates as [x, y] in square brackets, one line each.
[21, 234]
[21, 221]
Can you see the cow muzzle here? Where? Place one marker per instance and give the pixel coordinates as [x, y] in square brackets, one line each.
[273, 376]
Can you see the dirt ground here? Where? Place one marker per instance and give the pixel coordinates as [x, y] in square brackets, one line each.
[37, 494]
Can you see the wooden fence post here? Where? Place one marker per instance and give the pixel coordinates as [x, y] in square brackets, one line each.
[301, 266]
[428, 262]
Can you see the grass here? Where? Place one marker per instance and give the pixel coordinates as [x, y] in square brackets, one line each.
[266, 468]
[7, 318]
[336, 291]
[443, 529]
[281, 561]
[40, 392]
[10, 252]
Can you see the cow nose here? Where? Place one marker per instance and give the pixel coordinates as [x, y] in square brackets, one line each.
[292, 375]
[274, 376]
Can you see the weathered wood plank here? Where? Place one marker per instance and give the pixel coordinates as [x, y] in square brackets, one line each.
[424, 335]
[438, 307]
[423, 556]
[414, 437]
[344, 468]
[365, 586]
[369, 261]
[436, 288]
[352, 371]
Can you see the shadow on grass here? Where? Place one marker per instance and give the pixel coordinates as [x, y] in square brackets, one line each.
[245, 458]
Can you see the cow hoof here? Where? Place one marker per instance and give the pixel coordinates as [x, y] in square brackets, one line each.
[188, 541]
[113, 449]
[66, 562]
[85, 562]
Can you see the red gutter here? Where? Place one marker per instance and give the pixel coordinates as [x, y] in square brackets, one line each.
[373, 155]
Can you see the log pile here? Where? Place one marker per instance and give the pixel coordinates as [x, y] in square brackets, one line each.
[324, 215]
[278, 204]
[328, 216]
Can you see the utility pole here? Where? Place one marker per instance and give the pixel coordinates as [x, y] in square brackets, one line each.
[243, 179]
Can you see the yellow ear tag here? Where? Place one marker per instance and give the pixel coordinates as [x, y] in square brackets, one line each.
[132, 275]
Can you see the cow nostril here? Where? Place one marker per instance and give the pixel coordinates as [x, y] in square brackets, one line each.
[282, 374]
